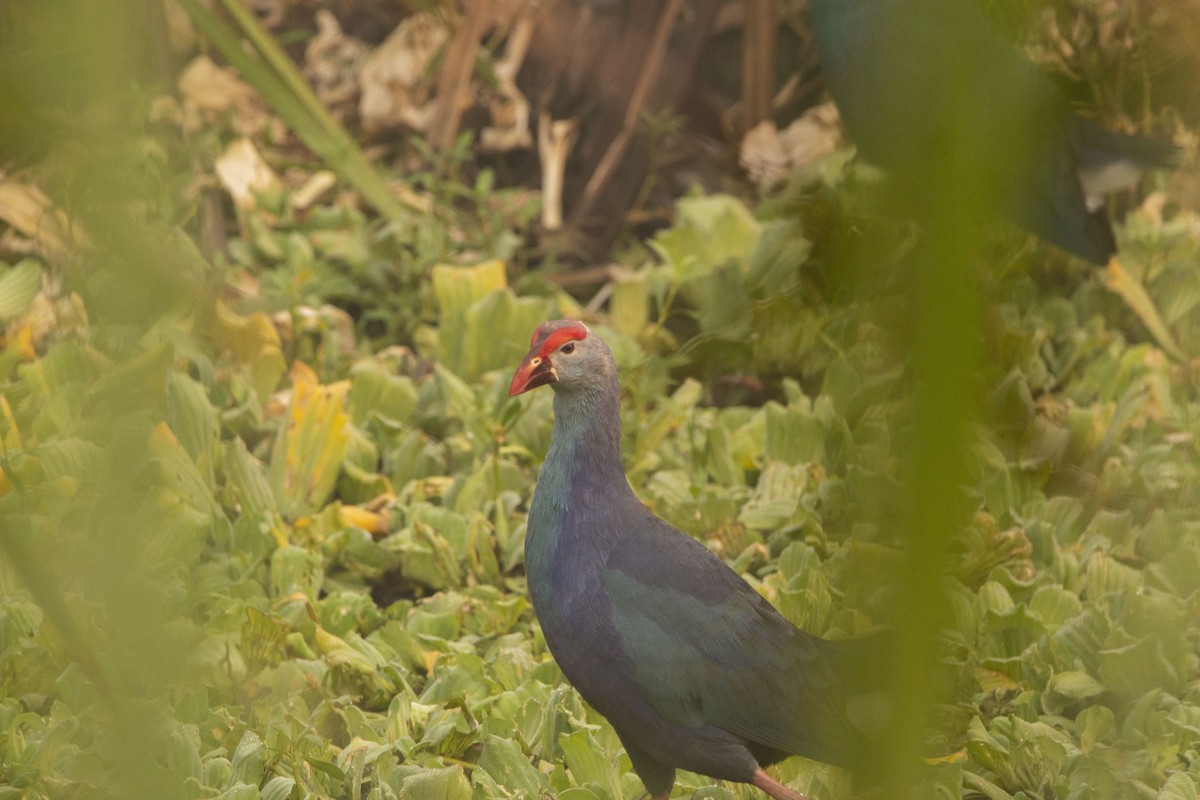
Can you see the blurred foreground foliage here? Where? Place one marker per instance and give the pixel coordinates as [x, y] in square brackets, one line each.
[263, 509]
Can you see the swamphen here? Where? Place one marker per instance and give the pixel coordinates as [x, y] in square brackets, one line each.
[925, 83]
[693, 668]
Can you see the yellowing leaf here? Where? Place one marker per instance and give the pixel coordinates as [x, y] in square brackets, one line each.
[308, 453]
[10, 435]
[375, 522]
[183, 485]
[255, 343]
[1134, 294]
[951, 758]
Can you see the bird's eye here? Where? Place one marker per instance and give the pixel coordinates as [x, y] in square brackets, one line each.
[568, 348]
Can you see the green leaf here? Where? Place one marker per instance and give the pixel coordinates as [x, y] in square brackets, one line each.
[375, 393]
[1179, 786]
[775, 498]
[296, 570]
[240, 791]
[1094, 725]
[498, 328]
[1054, 605]
[327, 768]
[1135, 668]
[1068, 688]
[246, 477]
[448, 783]
[629, 308]
[510, 767]
[194, 422]
[249, 760]
[708, 232]
[278, 788]
[985, 787]
[19, 284]
[794, 434]
[587, 762]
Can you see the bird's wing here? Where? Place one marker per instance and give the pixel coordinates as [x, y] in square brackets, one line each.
[708, 649]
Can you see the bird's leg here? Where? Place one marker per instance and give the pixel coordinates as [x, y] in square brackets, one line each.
[774, 788]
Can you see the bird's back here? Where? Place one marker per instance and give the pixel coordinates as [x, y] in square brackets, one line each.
[932, 92]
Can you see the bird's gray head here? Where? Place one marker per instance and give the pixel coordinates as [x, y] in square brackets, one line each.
[566, 355]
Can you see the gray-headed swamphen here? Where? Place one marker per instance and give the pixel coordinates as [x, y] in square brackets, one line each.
[694, 668]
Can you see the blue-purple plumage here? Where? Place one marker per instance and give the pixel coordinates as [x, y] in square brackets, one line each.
[693, 668]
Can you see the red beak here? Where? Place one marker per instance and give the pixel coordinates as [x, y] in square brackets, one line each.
[534, 371]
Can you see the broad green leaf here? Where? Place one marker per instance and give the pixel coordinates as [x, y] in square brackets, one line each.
[448, 783]
[240, 791]
[1054, 605]
[1068, 688]
[217, 773]
[183, 486]
[775, 498]
[375, 393]
[246, 476]
[249, 760]
[775, 262]
[1179, 786]
[794, 434]
[358, 482]
[1135, 668]
[460, 340]
[278, 788]
[296, 570]
[587, 762]
[327, 768]
[340, 653]
[498, 327]
[263, 638]
[629, 308]
[194, 422]
[985, 748]
[984, 787]
[19, 284]
[1104, 574]
[708, 232]
[1094, 725]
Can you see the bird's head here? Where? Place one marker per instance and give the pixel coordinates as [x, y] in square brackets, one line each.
[564, 353]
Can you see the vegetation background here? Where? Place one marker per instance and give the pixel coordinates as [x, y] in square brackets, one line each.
[262, 490]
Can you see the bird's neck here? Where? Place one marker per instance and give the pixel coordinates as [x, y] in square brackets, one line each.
[581, 482]
[585, 447]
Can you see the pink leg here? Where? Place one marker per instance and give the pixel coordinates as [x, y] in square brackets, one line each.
[774, 788]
